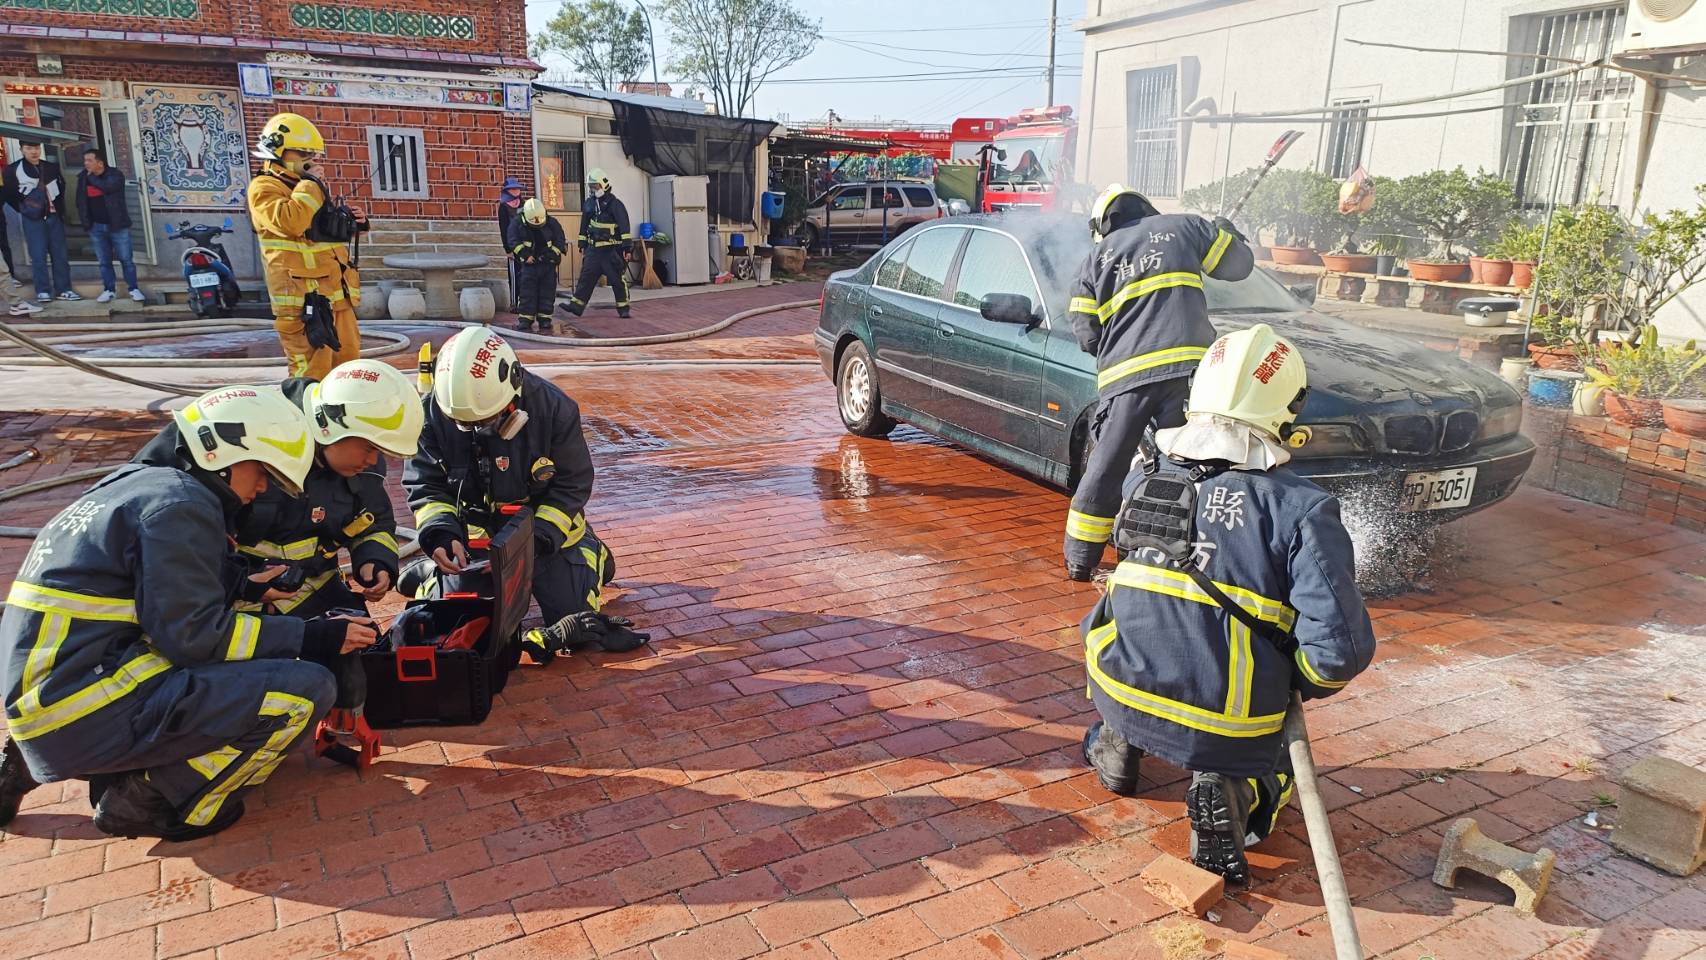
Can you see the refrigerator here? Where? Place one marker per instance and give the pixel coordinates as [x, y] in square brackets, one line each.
[679, 209]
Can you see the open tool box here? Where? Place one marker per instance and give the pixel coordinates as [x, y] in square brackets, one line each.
[444, 659]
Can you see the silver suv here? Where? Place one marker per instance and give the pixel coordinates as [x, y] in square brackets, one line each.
[869, 211]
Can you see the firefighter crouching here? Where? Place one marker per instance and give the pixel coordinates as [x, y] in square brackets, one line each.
[123, 661]
[497, 435]
[604, 241]
[537, 243]
[304, 236]
[1140, 308]
[1237, 586]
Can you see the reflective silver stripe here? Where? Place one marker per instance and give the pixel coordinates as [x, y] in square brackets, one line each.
[245, 634]
[1221, 242]
[1100, 638]
[82, 606]
[70, 709]
[259, 764]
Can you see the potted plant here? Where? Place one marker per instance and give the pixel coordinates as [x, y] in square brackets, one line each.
[1299, 201]
[1452, 209]
[1212, 198]
[1559, 342]
[1520, 244]
[1642, 374]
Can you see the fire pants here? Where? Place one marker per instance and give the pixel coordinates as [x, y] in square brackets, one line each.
[306, 361]
[1116, 432]
[606, 262]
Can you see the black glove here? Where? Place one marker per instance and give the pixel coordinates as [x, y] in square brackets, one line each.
[323, 640]
[543, 545]
[432, 538]
[592, 630]
[355, 573]
[580, 245]
[619, 635]
[317, 323]
[1228, 226]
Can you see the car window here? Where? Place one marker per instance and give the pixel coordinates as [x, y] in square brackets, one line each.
[891, 198]
[993, 264]
[927, 262]
[853, 199]
[888, 275]
[920, 197]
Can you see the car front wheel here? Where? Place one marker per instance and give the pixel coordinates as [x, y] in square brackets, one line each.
[857, 395]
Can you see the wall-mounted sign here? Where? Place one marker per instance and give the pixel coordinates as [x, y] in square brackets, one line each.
[31, 89]
[49, 65]
[518, 97]
[255, 80]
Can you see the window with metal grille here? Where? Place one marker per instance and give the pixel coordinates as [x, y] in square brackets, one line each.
[397, 158]
[1543, 160]
[1345, 138]
[1152, 101]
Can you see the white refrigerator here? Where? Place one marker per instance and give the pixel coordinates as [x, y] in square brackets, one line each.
[679, 209]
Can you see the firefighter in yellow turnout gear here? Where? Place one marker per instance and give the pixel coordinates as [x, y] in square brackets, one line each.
[121, 658]
[308, 270]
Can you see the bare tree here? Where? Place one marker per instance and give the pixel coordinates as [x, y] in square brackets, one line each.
[730, 47]
[603, 40]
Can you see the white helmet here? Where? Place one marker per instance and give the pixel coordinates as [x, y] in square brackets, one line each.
[370, 400]
[477, 375]
[234, 424]
[1254, 376]
[598, 178]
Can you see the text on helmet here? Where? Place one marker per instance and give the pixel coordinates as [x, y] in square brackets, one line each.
[1272, 362]
[223, 395]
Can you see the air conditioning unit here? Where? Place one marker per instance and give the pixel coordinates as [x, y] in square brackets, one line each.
[1664, 27]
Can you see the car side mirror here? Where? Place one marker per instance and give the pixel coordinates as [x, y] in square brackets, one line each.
[1007, 308]
[1304, 292]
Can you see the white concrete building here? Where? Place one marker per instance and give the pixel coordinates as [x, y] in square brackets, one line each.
[1635, 141]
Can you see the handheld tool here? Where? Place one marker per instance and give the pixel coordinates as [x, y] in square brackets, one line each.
[344, 735]
[1275, 152]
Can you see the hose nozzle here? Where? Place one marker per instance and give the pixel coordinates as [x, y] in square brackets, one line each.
[29, 455]
[423, 379]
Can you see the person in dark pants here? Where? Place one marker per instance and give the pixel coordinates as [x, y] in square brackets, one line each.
[1140, 308]
[101, 202]
[536, 245]
[604, 240]
[36, 189]
[509, 204]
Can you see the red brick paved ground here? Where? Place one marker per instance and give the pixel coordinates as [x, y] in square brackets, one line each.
[857, 740]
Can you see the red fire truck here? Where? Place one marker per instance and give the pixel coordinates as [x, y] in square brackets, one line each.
[1030, 161]
[957, 142]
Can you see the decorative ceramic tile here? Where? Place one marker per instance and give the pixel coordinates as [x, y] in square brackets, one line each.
[153, 9]
[193, 145]
[342, 18]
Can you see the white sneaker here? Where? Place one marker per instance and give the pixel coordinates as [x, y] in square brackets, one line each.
[23, 308]
[105, 297]
[70, 295]
[136, 295]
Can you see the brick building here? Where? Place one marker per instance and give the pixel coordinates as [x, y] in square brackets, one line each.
[425, 106]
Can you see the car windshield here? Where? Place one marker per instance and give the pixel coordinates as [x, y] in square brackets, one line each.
[1030, 159]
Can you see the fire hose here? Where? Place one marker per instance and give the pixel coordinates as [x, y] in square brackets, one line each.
[1346, 944]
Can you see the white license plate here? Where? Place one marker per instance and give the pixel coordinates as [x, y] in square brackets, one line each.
[1440, 490]
[204, 279]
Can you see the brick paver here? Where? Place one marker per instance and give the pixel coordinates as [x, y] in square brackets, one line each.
[856, 736]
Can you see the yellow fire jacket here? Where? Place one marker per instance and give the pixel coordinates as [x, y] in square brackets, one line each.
[281, 207]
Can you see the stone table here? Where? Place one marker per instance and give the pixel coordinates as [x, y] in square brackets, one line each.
[439, 269]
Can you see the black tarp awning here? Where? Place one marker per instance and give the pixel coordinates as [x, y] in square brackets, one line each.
[662, 141]
[820, 144]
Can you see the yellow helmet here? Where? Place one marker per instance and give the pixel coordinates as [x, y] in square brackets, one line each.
[1117, 206]
[288, 131]
[1254, 376]
[533, 211]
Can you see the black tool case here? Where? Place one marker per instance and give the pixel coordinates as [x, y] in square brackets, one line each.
[421, 683]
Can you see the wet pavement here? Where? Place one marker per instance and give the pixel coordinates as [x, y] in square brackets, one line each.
[856, 736]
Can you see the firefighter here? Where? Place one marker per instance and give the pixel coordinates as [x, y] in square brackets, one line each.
[313, 286]
[1236, 587]
[361, 413]
[497, 435]
[604, 241]
[1139, 307]
[124, 662]
[537, 243]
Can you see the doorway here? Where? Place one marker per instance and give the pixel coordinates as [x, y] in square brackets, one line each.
[110, 126]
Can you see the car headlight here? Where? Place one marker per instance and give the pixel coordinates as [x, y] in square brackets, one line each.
[1334, 440]
[1501, 422]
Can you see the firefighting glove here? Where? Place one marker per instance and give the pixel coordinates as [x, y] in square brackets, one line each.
[442, 535]
[1228, 226]
[590, 630]
[323, 640]
[317, 322]
[580, 245]
[543, 545]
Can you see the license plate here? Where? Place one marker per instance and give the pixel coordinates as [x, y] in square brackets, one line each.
[204, 279]
[1439, 490]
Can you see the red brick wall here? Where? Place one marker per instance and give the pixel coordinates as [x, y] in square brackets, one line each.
[1650, 472]
[141, 71]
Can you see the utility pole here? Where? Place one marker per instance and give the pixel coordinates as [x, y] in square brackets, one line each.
[1053, 8]
[651, 41]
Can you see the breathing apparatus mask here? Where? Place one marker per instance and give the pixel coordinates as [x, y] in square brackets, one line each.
[504, 424]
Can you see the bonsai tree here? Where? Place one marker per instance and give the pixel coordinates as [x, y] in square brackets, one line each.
[1388, 223]
[1304, 205]
[1520, 242]
[1666, 256]
[1585, 263]
[1454, 209]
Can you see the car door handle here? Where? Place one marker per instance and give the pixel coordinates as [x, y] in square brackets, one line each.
[945, 330]
[876, 311]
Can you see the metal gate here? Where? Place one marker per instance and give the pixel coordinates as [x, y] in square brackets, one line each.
[1152, 101]
[1604, 106]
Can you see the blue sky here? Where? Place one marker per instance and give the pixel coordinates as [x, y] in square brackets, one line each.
[900, 39]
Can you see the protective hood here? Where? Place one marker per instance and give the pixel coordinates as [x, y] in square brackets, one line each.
[1212, 437]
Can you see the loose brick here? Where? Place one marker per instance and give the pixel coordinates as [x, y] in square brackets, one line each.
[1465, 847]
[1662, 815]
[1185, 886]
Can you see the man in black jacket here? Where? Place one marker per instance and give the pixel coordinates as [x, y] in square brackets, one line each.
[536, 245]
[36, 189]
[604, 241]
[101, 203]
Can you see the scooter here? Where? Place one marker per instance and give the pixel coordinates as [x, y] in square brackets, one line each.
[207, 269]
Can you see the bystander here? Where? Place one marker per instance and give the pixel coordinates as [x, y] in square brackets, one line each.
[103, 209]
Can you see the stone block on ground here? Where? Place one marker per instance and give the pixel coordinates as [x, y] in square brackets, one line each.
[477, 304]
[1238, 950]
[406, 303]
[1661, 816]
[372, 304]
[500, 292]
[1183, 885]
[1466, 848]
[789, 259]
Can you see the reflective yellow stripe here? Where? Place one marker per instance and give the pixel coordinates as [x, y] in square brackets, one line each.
[382, 538]
[1315, 678]
[82, 606]
[1083, 305]
[1143, 287]
[245, 632]
[70, 709]
[573, 528]
[287, 301]
[1148, 361]
[1100, 638]
[433, 509]
[307, 199]
[1240, 669]
[597, 224]
[209, 764]
[261, 763]
[55, 627]
[309, 587]
[1176, 583]
[270, 550]
[1091, 529]
[1217, 251]
[606, 243]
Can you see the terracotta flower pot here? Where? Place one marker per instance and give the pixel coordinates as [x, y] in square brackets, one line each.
[1555, 358]
[1634, 411]
[1477, 266]
[1687, 417]
[1347, 263]
[1260, 252]
[1295, 256]
[1522, 274]
[1497, 272]
[1434, 271]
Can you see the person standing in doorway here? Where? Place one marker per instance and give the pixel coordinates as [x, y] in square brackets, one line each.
[101, 202]
[509, 204]
[36, 189]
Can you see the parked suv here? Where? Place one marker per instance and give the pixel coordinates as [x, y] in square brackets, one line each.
[869, 211]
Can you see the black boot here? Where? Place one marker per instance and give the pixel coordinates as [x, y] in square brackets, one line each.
[1219, 808]
[132, 808]
[1079, 574]
[1115, 761]
[572, 308]
[15, 782]
[524, 324]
